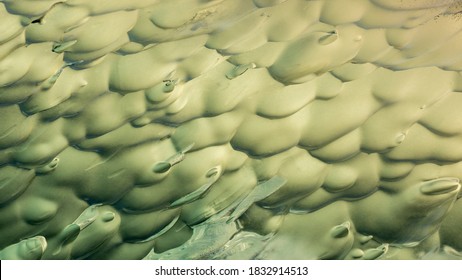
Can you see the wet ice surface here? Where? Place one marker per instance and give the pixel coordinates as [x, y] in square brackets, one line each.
[230, 129]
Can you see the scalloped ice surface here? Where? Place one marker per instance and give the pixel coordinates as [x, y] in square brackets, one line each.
[230, 129]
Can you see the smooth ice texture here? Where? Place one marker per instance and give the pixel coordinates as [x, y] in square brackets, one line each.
[230, 129]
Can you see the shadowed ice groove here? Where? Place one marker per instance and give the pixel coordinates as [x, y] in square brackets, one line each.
[415, 214]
